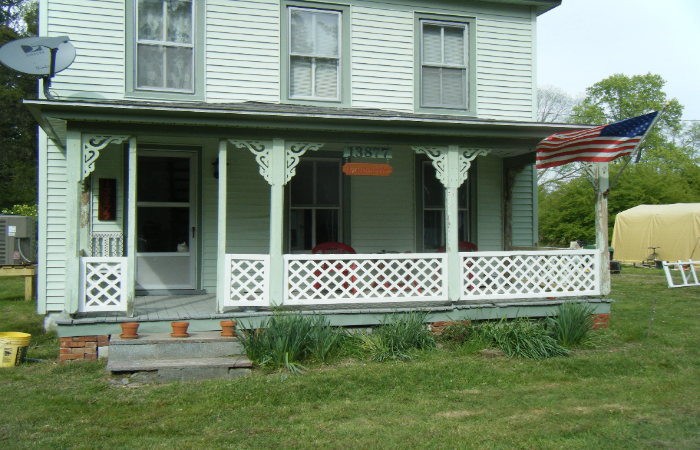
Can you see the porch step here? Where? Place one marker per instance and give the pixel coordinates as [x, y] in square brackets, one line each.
[161, 346]
[185, 369]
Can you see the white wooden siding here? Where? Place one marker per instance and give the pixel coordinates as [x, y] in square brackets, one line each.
[109, 165]
[523, 209]
[243, 50]
[383, 208]
[209, 236]
[248, 206]
[489, 212]
[242, 60]
[382, 58]
[55, 242]
[96, 29]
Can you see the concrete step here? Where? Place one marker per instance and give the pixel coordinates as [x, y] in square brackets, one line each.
[185, 369]
[161, 346]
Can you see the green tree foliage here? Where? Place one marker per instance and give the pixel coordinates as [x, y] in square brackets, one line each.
[668, 171]
[18, 139]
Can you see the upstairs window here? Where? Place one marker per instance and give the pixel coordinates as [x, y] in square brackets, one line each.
[443, 71]
[164, 46]
[314, 63]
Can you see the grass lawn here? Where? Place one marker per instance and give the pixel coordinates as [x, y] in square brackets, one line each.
[630, 392]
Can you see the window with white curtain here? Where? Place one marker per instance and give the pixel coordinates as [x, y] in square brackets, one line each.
[444, 64]
[314, 54]
[164, 45]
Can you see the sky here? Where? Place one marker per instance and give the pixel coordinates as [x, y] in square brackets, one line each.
[584, 41]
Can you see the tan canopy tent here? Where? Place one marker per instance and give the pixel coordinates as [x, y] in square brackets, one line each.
[675, 229]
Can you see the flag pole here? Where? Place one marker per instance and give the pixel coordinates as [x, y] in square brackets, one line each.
[637, 148]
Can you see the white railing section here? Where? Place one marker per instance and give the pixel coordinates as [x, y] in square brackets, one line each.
[686, 279]
[530, 274]
[338, 279]
[102, 284]
[247, 280]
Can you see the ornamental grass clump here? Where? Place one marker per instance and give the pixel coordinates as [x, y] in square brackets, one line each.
[286, 339]
[521, 337]
[396, 337]
[572, 323]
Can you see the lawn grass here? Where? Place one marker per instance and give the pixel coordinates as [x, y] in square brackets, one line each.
[630, 392]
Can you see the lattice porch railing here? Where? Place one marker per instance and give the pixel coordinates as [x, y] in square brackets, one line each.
[102, 284]
[247, 280]
[530, 274]
[338, 279]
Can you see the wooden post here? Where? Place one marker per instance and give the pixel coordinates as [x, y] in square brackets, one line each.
[221, 288]
[73, 192]
[601, 182]
[277, 181]
[131, 228]
[454, 283]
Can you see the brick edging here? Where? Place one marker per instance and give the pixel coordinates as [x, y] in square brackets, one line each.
[600, 321]
[80, 348]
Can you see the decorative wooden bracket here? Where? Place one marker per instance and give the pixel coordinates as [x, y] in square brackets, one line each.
[261, 150]
[439, 157]
[465, 161]
[294, 151]
[91, 146]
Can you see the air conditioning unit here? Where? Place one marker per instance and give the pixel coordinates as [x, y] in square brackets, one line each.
[16, 240]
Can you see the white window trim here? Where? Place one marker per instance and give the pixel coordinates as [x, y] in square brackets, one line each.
[465, 67]
[313, 57]
[165, 43]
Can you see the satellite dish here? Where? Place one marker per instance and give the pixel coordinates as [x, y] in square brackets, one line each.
[33, 55]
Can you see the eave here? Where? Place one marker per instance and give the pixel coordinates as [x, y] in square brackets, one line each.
[259, 120]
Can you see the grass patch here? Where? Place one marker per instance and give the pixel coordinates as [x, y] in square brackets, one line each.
[630, 392]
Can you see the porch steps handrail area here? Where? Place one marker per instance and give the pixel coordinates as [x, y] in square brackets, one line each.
[530, 274]
[342, 279]
[247, 280]
[103, 284]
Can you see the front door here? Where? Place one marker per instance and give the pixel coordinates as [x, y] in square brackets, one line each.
[166, 218]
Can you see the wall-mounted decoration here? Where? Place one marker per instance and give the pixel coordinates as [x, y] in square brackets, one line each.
[362, 151]
[368, 170]
[107, 199]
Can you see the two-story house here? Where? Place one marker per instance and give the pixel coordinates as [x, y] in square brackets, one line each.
[198, 151]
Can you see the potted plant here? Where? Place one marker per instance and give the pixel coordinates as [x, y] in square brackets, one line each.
[227, 327]
[129, 330]
[179, 329]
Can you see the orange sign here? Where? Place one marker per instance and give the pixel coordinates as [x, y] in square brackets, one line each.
[367, 169]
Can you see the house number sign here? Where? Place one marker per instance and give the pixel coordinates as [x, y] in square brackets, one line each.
[360, 151]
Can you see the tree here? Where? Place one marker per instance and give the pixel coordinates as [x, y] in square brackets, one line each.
[668, 172]
[553, 104]
[18, 140]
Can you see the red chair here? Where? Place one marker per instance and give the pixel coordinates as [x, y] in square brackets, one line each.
[333, 248]
[462, 246]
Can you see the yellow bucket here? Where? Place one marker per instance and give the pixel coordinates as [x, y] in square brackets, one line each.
[13, 348]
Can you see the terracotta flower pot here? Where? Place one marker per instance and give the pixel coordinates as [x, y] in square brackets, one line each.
[129, 330]
[227, 327]
[179, 329]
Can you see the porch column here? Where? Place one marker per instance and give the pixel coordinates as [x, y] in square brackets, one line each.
[131, 228]
[277, 170]
[221, 288]
[598, 175]
[454, 287]
[73, 193]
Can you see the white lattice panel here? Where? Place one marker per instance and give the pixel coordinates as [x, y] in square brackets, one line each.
[106, 245]
[505, 275]
[102, 284]
[337, 279]
[247, 280]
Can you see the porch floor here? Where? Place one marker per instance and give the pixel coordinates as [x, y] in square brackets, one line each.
[167, 308]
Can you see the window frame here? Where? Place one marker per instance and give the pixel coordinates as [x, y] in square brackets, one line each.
[344, 93]
[314, 207]
[131, 63]
[470, 24]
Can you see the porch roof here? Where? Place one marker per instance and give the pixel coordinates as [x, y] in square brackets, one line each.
[254, 119]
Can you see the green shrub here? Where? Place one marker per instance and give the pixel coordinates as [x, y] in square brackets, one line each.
[521, 337]
[286, 339]
[22, 210]
[572, 323]
[396, 337]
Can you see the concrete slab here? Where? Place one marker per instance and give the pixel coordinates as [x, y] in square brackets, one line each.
[239, 362]
[161, 346]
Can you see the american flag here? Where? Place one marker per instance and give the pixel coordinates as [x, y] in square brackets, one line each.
[599, 144]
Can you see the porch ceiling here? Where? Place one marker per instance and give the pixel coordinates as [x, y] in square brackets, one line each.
[253, 120]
